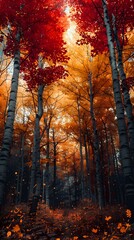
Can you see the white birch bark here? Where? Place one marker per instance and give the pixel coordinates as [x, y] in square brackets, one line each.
[126, 95]
[8, 132]
[122, 130]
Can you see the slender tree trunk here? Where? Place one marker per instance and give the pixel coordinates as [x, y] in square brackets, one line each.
[35, 171]
[96, 149]
[81, 154]
[119, 192]
[8, 132]
[75, 181]
[123, 138]
[47, 184]
[33, 168]
[47, 173]
[55, 172]
[87, 167]
[22, 167]
[126, 95]
[108, 162]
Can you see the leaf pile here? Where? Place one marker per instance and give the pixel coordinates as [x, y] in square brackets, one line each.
[84, 222]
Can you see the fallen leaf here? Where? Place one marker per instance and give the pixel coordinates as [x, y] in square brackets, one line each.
[9, 233]
[16, 228]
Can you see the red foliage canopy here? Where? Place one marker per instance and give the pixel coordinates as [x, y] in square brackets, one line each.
[35, 76]
[41, 25]
[88, 15]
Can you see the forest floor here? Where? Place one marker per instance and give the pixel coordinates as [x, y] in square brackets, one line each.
[84, 222]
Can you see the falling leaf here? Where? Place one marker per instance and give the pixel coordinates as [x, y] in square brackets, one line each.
[9, 234]
[75, 238]
[94, 230]
[108, 218]
[16, 228]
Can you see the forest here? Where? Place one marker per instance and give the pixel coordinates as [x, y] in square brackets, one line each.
[66, 119]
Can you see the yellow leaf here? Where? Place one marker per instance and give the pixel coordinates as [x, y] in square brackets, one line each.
[9, 234]
[16, 228]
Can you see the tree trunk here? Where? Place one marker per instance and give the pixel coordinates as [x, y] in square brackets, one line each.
[22, 166]
[119, 192]
[126, 95]
[75, 181]
[47, 173]
[35, 171]
[123, 138]
[81, 154]
[96, 149]
[47, 184]
[108, 162]
[8, 132]
[87, 167]
[55, 172]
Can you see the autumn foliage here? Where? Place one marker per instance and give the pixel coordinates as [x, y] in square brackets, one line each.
[41, 26]
[63, 48]
[90, 23]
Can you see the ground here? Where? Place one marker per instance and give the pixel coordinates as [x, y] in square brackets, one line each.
[84, 222]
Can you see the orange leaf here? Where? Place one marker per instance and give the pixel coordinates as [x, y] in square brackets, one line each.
[94, 230]
[9, 234]
[108, 218]
[16, 228]
[75, 238]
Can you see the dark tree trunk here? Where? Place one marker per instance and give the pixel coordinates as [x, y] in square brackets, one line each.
[99, 181]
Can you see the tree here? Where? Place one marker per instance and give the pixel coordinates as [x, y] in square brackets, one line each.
[86, 26]
[31, 30]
